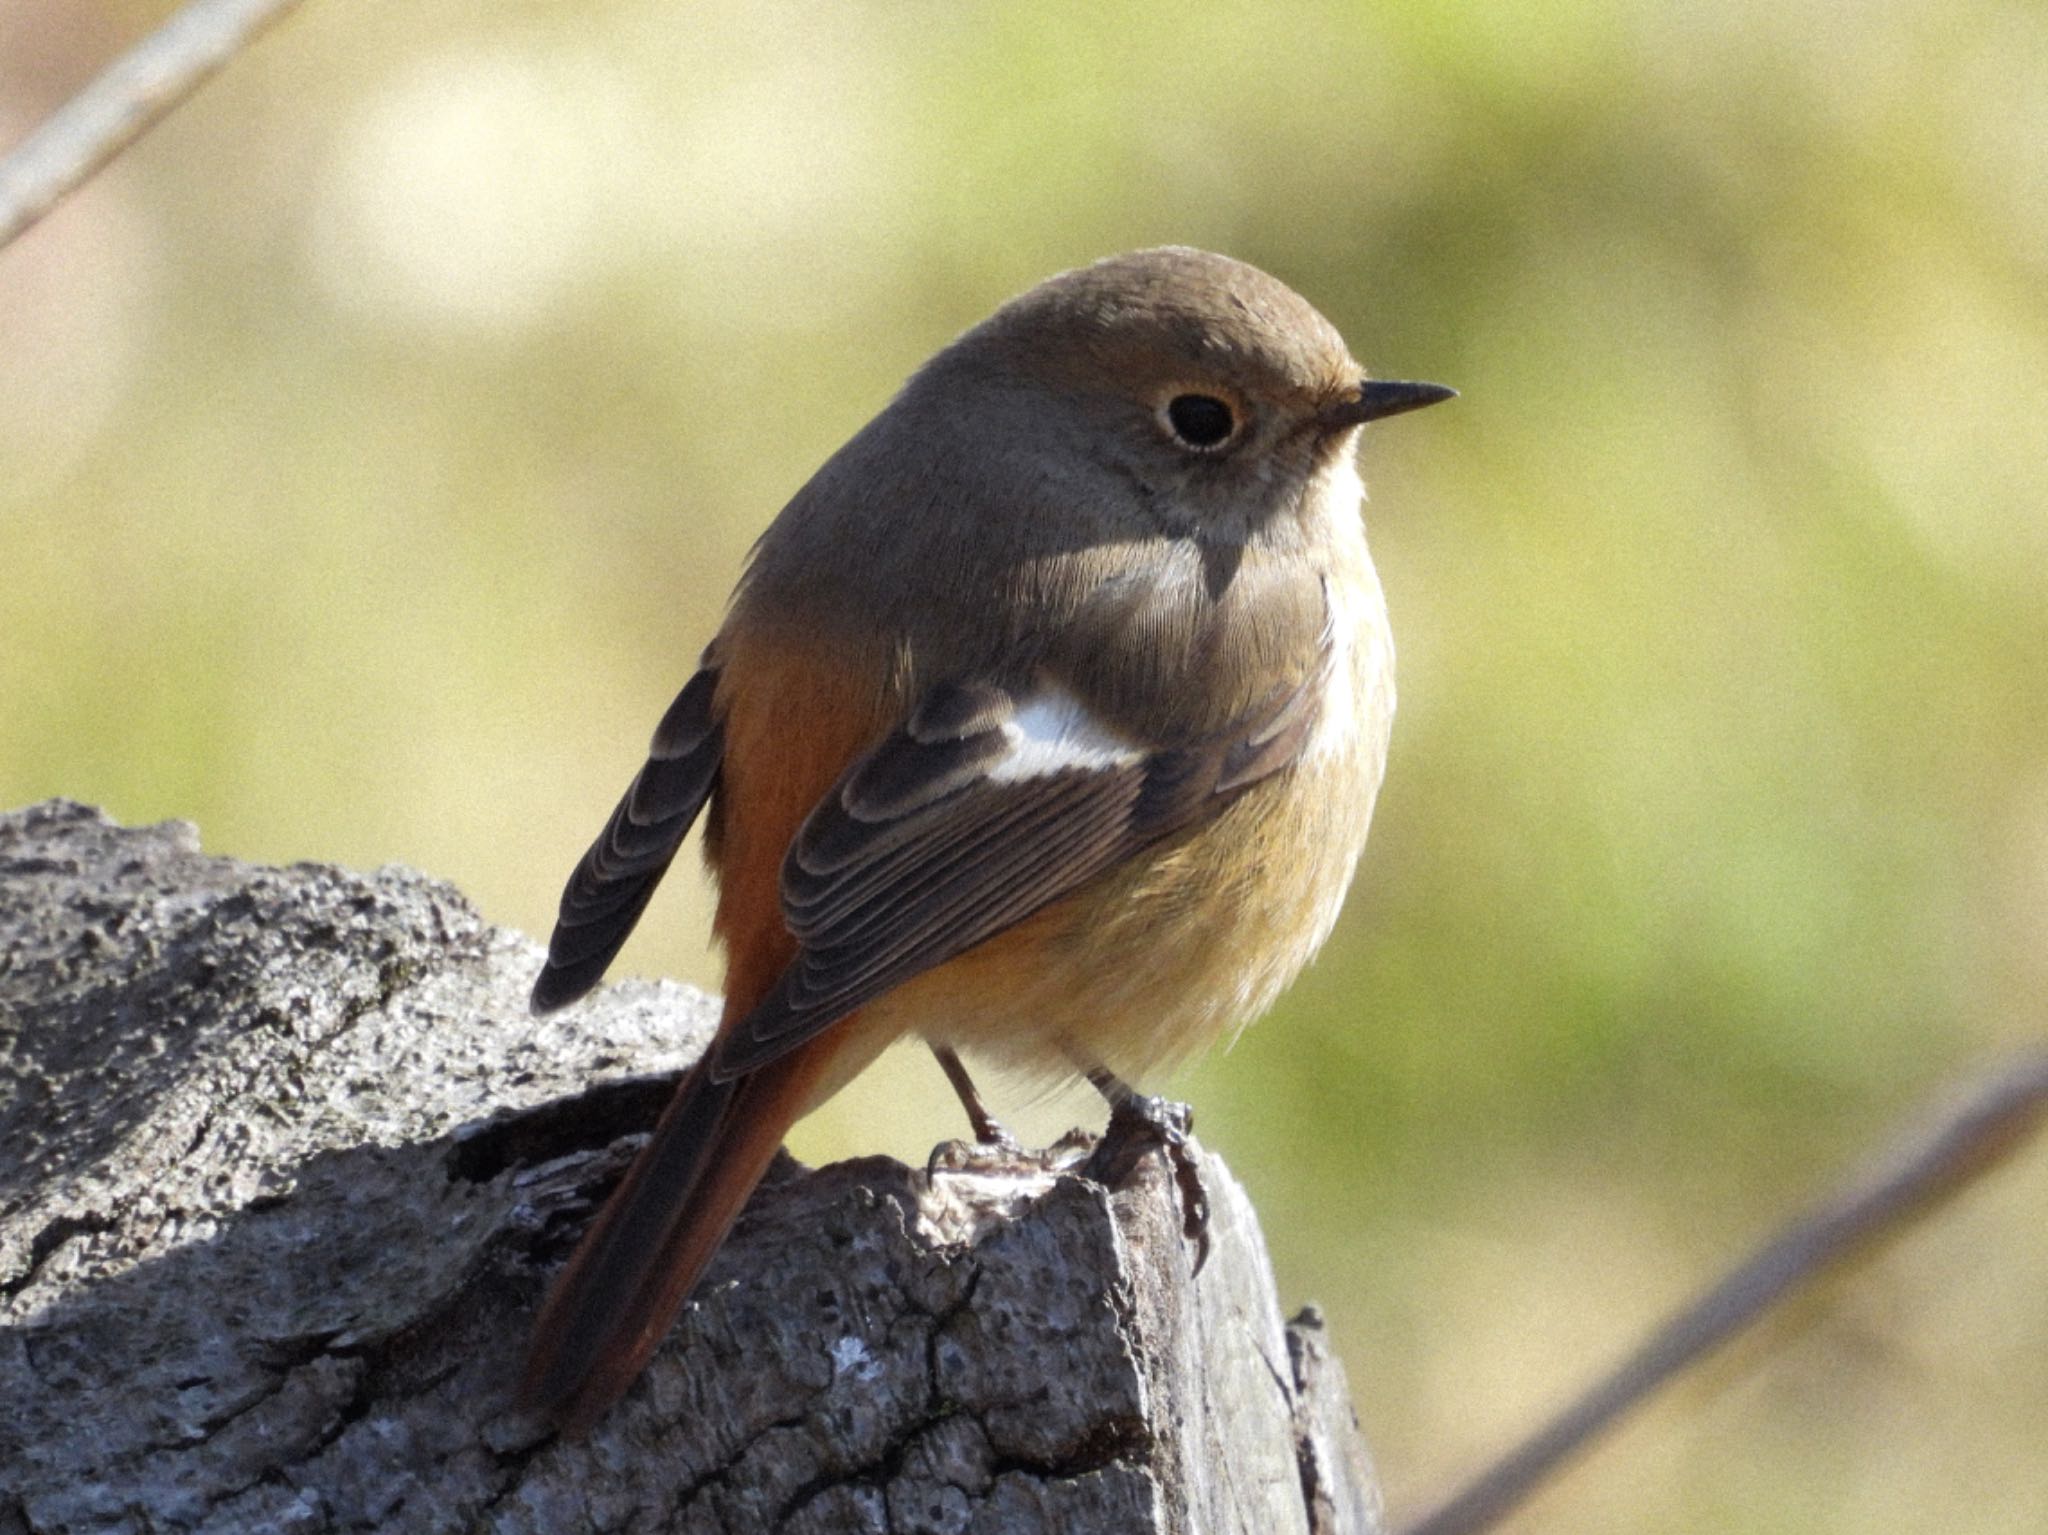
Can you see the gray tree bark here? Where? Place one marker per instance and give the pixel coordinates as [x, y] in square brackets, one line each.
[285, 1165]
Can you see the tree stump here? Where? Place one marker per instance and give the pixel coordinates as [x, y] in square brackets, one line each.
[285, 1166]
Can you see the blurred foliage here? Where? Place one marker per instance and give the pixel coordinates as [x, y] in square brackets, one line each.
[378, 441]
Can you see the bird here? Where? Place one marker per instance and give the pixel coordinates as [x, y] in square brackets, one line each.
[1045, 724]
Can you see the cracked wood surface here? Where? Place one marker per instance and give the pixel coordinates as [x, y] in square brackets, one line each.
[284, 1168]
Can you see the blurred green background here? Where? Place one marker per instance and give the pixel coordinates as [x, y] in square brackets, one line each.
[379, 439]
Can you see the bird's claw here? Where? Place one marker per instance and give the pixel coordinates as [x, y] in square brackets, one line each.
[991, 1145]
[1140, 1123]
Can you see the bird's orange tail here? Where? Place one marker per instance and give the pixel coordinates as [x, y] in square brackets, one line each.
[636, 1265]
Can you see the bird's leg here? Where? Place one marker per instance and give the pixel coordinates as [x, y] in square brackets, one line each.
[987, 1129]
[1138, 1123]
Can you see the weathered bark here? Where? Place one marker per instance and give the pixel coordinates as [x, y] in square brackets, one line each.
[285, 1163]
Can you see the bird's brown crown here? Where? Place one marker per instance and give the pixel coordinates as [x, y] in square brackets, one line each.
[1171, 313]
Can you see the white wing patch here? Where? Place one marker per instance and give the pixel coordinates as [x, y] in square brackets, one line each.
[1052, 732]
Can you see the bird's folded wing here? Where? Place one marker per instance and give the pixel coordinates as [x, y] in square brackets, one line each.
[612, 884]
[983, 807]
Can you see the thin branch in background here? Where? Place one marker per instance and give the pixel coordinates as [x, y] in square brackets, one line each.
[129, 96]
[141, 87]
[1989, 1125]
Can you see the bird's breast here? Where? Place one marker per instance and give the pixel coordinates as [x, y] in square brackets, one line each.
[1194, 937]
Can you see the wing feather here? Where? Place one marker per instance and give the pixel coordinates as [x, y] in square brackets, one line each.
[936, 841]
[615, 879]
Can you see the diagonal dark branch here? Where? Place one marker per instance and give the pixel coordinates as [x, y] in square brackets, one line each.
[1930, 1166]
[127, 98]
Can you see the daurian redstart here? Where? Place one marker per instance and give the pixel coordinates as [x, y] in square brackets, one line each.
[1045, 723]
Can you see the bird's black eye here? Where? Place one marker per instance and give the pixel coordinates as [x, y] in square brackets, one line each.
[1200, 420]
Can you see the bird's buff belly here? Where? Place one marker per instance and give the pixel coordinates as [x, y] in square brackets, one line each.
[1180, 947]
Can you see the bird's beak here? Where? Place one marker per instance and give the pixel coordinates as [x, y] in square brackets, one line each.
[1383, 397]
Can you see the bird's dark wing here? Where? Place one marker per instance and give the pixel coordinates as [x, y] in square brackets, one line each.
[614, 880]
[983, 807]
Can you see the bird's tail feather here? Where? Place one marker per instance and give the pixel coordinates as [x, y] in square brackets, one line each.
[636, 1265]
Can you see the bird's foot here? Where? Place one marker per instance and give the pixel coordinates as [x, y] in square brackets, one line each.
[992, 1146]
[1140, 1123]
[988, 1130]
[991, 1136]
